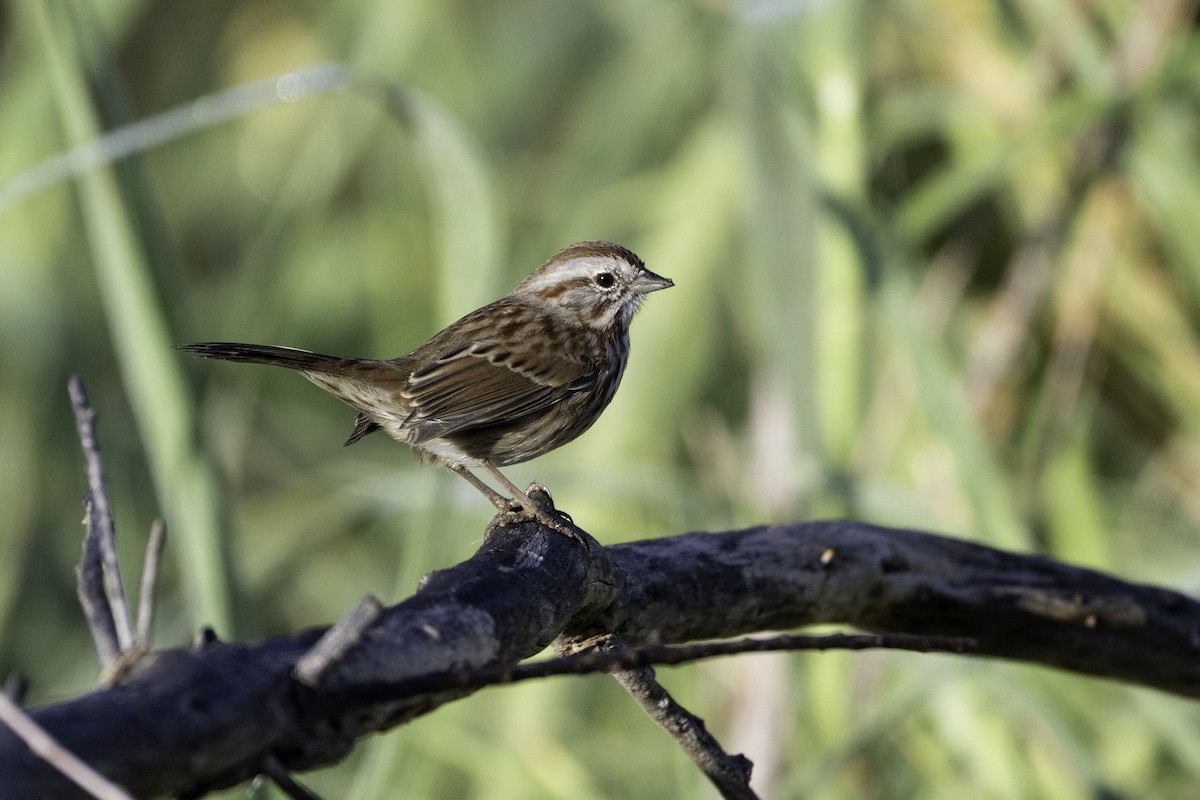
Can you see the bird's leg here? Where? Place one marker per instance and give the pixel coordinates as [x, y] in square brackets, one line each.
[501, 502]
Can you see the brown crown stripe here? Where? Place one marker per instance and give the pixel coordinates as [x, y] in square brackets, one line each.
[588, 249]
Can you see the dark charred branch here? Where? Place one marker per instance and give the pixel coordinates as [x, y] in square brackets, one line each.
[186, 721]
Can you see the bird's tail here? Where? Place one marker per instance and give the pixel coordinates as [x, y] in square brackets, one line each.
[289, 357]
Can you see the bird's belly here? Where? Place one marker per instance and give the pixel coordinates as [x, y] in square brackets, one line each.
[437, 449]
[443, 450]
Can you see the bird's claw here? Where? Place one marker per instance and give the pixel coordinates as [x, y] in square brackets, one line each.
[540, 508]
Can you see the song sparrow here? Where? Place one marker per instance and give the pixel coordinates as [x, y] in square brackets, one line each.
[507, 382]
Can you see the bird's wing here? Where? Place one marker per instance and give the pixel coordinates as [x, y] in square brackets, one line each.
[485, 383]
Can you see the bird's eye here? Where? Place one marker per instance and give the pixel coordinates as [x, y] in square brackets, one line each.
[605, 280]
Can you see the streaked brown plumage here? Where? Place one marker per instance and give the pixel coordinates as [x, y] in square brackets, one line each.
[504, 384]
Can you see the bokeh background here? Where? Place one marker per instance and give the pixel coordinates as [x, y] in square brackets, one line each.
[937, 265]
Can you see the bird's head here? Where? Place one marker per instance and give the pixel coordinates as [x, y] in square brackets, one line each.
[601, 284]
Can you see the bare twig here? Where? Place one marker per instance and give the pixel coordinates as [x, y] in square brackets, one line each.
[15, 686]
[49, 750]
[90, 587]
[337, 641]
[277, 772]
[624, 658]
[100, 527]
[154, 549]
[730, 774]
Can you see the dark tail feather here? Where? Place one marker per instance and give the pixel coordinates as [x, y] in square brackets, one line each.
[362, 426]
[292, 358]
[288, 357]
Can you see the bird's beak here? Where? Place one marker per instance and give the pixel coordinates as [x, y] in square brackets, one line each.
[647, 282]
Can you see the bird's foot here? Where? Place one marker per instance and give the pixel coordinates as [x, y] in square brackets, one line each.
[535, 505]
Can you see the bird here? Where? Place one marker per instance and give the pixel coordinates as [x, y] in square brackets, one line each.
[504, 384]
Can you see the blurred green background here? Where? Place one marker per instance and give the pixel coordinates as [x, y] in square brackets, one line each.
[937, 265]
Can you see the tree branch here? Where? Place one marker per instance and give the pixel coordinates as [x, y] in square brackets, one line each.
[1018, 607]
[190, 720]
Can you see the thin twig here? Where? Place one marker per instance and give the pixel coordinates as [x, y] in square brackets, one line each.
[278, 773]
[49, 750]
[101, 512]
[729, 773]
[15, 686]
[90, 588]
[630, 658]
[337, 641]
[154, 549]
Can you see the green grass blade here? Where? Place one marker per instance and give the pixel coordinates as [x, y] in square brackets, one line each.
[149, 367]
